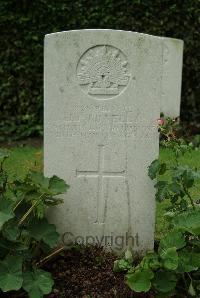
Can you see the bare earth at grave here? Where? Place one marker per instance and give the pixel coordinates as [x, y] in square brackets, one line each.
[87, 273]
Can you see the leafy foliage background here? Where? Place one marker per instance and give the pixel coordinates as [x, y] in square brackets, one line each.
[24, 24]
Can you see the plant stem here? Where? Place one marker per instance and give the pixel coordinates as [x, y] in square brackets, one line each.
[29, 211]
[17, 205]
[190, 198]
[189, 276]
[44, 260]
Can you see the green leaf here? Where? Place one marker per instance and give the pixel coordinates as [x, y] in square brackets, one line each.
[187, 175]
[57, 185]
[154, 169]
[162, 190]
[176, 188]
[164, 281]
[183, 204]
[17, 247]
[150, 261]
[191, 290]
[6, 212]
[124, 264]
[10, 230]
[11, 273]
[3, 181]
[42, 230]
[39, 179]
[163, 168]
[121, 265]
[173, 239]
[169, 257]
[188, 261]
[188, 221]
[37, 283]
[140, 280]
[3, 155]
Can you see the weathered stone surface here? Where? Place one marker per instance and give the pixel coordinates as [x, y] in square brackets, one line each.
[102, 100]
[172, 76]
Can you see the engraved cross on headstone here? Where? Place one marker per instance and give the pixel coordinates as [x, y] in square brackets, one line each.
[100, 174]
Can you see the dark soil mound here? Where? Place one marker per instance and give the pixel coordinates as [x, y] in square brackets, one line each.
[87, 273]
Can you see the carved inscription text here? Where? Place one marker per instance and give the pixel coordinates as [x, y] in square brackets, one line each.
[88, 121]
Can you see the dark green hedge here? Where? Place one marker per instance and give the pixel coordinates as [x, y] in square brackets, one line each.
[24, 24]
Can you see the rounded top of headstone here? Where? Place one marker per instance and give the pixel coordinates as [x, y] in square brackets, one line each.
[112, 31]
[99, 30]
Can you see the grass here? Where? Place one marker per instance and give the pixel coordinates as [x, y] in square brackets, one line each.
[22, 158]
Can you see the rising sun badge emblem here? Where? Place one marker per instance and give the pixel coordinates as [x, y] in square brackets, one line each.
[103, 71]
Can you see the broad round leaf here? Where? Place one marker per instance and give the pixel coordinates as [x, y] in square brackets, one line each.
[39, 179]
[6, 212]
[37, 283]
[154, 168]
[140, 281]
[173, 239]
[11, 230]
[42, 230]
[169, 257]
[3, 155]
[11, 273]
[188, 221]
[164, 281]
[188, 261]
[57, 185]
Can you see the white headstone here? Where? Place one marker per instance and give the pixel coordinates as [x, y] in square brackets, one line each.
[102, 102]
[172, 77]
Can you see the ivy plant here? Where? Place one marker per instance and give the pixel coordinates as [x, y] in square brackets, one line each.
[25, 233]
